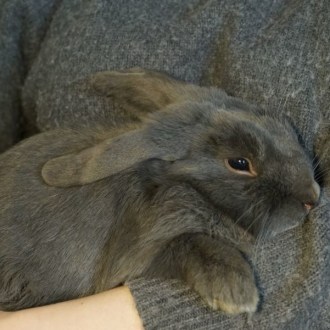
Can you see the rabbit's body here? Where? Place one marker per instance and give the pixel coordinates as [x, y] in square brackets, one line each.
[142, 200]
[53, 240]
[58, 244]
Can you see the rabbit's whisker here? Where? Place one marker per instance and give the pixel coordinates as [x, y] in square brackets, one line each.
[247, 212]
[256, 219]
[322, 172]
[261, 238]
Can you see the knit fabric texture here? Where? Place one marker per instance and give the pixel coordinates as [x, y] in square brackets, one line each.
[272, 53]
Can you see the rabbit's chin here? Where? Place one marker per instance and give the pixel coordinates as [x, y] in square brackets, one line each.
[278, 224]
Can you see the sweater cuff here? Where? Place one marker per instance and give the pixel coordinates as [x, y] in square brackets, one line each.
[163, 304]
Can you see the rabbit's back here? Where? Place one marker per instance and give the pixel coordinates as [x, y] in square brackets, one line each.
[62, 243]
[49, 237]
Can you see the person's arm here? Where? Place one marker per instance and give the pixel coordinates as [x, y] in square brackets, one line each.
[113, 309]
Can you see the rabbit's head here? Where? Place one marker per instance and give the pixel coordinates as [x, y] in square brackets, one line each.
[244, 160]
[250, 165]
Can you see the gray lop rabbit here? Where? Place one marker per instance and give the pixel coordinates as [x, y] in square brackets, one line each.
[85, 211]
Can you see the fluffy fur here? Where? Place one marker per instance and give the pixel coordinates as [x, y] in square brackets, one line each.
[82, 212]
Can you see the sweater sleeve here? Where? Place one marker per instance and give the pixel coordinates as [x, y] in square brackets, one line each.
[172, 305]
[23, 25]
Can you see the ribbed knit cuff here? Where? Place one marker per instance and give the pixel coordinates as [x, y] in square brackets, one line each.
[163, 304]
[172, 305]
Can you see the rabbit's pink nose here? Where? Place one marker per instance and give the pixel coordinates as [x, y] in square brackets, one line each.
[309, 206]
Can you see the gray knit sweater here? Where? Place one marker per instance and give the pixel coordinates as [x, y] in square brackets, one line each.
[273, 53]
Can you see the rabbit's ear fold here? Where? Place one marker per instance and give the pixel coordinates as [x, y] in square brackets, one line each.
[107, 158]
[142, 90]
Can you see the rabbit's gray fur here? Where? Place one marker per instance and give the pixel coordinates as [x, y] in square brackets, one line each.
[94, 225]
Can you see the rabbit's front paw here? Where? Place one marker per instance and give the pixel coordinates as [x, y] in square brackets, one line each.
[228, 289]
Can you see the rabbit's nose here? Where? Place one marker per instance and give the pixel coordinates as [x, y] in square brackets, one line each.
[313, 196]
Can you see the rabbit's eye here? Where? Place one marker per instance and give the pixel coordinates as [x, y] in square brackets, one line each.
[240, 166]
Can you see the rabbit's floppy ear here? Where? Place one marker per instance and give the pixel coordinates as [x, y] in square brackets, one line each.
[143, 90]
[102, 160]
